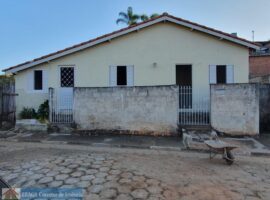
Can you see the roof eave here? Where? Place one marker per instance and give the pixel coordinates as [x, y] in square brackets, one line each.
[128, 30]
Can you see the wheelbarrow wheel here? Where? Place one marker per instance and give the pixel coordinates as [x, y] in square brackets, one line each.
[229, 158]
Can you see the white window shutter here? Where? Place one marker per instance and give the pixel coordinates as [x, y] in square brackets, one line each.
[229, 74]
[113, 75]
[30, 81]
[45, 81]
[130, 75]
[212, 74]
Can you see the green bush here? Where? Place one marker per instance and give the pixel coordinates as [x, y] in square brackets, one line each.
[43, 111]
[28, 113]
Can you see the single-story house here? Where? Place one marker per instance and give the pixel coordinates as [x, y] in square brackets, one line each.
[162, 51]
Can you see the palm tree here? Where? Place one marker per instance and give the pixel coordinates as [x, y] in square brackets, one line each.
[145, 17]
[128, 18]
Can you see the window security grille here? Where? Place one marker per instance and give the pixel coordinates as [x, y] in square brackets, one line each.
[67, 77]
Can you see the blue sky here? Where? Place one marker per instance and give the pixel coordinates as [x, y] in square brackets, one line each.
[32, 28]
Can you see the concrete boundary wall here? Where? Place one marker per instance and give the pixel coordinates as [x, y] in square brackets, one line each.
[141, 110]
[264, 108]
[235, 109]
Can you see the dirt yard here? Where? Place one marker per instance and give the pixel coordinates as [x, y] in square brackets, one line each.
[121, 173]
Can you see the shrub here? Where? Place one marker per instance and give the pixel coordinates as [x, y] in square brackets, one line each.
[43, 111]
[28, 113]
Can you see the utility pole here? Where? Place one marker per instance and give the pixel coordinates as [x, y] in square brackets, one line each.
[253, 35]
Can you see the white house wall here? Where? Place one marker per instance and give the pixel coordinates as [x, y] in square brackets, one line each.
[165, 44]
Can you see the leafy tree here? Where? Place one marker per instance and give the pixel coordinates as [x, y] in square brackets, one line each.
[128, 18]
[145, 17]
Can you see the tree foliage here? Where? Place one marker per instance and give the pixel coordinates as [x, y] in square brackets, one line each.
[129, 18]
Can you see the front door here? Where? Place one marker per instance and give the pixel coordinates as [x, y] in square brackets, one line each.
[66, 88]
[184, 80]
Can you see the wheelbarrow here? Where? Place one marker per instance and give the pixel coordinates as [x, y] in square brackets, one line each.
[221, 147]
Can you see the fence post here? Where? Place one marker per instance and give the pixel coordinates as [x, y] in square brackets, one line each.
[50, 103]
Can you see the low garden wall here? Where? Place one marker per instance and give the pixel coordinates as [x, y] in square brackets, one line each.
[139, 110]
[264, 108]
[235, 108]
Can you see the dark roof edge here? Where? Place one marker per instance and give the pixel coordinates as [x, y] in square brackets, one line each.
[123, 30]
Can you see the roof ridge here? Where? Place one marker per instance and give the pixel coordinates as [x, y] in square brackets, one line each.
[165, 14]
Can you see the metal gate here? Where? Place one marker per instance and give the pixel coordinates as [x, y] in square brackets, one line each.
[194, 107]
[61, 105]
[7, 102]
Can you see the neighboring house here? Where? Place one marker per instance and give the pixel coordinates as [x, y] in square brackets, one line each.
[259, 63]
[162, 51]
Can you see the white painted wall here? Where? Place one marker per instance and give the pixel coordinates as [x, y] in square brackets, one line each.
[166, 44]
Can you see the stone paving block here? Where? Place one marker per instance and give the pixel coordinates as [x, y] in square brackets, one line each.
[91, 171]
[95, 166]
[72, 181]
[97, 181]
[55, 184]
[97, 162]
[82, 169]
[99, 158]
[66, 171]
[36, 176]
[123, 197]
[140, 194]
[101, 175]
[61, 177]
[125, 180]
[84, 184]
[115, 172]
[73, 166]
[45, 180]
[77, 174]
[36, 168]
[138, 184]
[125, 189]
[111, 184]
[138, 178]
[46, 170]
[52, 173]
[104, 169]
[108, 193]
[152, 182]
[112, 177]
[87, 177]
[126, 175]
[154, 189]
[96, 189]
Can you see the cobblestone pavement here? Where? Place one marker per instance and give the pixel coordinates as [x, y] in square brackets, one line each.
[98, 174]
[134, 174]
